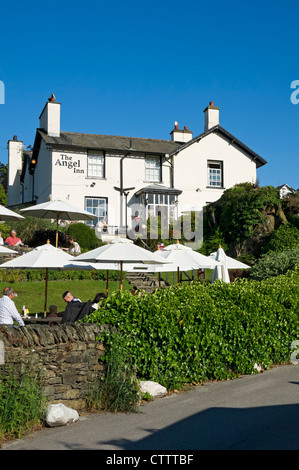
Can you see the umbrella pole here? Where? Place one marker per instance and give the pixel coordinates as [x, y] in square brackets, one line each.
[159, 280]
[107, 281]
[46, 293]
[121, 275]
[178, 275]
[57, 231]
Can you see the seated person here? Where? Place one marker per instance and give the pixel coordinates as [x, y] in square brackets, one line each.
[8, 310]
[74, 246]
[53, 313]
[102, 225]
[73, 308]
[13, 240]
[68, 297]
[96, 300]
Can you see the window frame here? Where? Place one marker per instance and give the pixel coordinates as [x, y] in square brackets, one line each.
[157, 158]
[93, 222]
[219, 163]
[97, 154]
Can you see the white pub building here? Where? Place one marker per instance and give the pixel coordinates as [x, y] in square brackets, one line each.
[124, 180]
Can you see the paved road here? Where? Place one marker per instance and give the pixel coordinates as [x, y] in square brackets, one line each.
[252, 412]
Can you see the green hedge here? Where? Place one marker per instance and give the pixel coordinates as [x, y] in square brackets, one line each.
[17, 275]
[203, 331]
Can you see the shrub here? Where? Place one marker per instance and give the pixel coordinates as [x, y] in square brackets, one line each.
[84, 235]
[284, 238]
[27, 227]
[119, 391]
[41, 236]
[239, 210]
[274, 264]
[24, 275]
[21, 400]
[205, 331]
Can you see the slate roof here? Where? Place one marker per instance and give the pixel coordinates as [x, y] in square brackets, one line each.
[133, 145]
[220, 130]
[110, 142]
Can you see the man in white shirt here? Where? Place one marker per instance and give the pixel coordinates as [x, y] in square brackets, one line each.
[8, 310]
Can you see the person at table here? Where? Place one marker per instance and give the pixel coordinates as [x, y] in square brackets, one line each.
[98, 297]
[53, 313]
[73, 308]
[102, 225]
[74, 246]
[8, 310]
[68, 297]
[13, 240]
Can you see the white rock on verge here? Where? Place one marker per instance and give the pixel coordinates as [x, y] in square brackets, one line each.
[60, 415]
[153, 388]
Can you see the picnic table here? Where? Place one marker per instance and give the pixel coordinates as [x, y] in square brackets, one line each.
[41, 320]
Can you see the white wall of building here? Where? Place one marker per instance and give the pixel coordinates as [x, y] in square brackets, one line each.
[14, 189]
[70, 180]
[191, 170]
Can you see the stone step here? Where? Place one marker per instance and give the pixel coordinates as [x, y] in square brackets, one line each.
[145, 281]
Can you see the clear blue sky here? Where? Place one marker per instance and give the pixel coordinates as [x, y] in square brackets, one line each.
[132, 68]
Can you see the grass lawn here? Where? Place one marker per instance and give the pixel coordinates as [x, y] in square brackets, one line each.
[172, 277]
[32, 294]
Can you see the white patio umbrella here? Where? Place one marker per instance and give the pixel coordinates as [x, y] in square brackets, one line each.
[7, 251]
[178, 258]
[43, 257]
[231, 263]
[57, 210]
[7, 214]
[221, 272]
[186, 259]
[120, 252]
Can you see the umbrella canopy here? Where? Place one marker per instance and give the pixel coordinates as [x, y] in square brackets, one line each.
[7, 251]
[186, 259]
[7, 214]
[120, 252]
[57, 210]
[43, 257]
[184, 256]
[220, 272]
[176, 257]
[231, 263]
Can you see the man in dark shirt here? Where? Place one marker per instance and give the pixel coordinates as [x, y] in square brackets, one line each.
[72, 310]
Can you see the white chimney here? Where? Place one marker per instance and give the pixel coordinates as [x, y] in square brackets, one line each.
[211, 116]
[49, 119]
[15, 152]
[180, 135]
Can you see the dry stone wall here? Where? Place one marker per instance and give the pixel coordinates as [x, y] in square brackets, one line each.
[68, 355]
